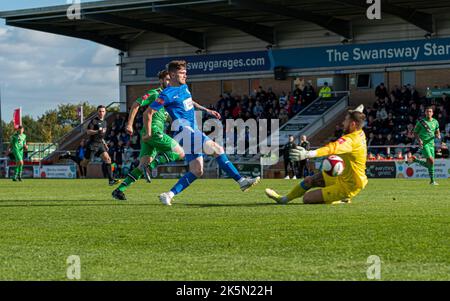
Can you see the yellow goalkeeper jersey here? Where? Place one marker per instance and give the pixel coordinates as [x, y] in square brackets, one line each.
[352, 148]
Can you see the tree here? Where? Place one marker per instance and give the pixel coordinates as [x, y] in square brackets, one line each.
[67, 114]
[53, 124]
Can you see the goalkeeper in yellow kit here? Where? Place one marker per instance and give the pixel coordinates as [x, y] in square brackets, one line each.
[352, 148]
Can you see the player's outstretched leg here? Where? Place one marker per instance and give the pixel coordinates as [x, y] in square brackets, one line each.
[429, 164]
[131, 178]
[160, 159]
[184, 182]
[317, 180]
[228, 167]
[195, 171]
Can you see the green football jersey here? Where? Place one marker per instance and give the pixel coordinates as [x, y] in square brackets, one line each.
[427, 129]
[18, 141]
[160, 117]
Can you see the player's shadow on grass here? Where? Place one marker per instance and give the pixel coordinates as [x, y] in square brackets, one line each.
[237, 205]
[69, 203]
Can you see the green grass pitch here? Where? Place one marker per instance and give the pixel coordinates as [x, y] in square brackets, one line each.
[215, 232]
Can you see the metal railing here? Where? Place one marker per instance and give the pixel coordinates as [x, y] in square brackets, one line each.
[36, 151]
[79, 128]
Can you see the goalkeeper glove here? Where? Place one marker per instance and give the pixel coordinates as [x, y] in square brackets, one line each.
[298, 154]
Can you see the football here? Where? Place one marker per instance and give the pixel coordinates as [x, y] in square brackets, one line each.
[333, 166]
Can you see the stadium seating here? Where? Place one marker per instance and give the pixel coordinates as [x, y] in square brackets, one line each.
[391, 121]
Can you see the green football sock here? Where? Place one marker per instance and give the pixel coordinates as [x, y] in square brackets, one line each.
[421, 163]
[164, 158]
[20, 171]
[132, 177]
[431, 172]
[16, 171]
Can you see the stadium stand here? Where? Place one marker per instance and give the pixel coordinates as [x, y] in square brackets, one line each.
[392, 118]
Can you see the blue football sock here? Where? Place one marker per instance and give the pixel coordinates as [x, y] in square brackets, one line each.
[228, 167]
[183, 183]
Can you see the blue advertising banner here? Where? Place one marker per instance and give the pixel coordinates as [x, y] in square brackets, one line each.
[215, 63]
[364, 54]
[386, 53]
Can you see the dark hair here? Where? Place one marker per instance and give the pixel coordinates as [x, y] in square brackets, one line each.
[429, 108]
[174, 66]
[358, 118]
[162, 74]
[101, 107]
[20, 127]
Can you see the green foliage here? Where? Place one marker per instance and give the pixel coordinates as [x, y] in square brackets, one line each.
[67, 113]
[215, 232]
[52, 125]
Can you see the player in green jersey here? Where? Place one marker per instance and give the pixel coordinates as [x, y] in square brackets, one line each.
[159, 149]
[426, 130]
[17, 146]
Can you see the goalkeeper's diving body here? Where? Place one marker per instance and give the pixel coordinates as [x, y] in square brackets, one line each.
[160, 149]
[352, 148]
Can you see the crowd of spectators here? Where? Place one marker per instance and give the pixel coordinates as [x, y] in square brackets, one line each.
[261, 104]
[393, 116]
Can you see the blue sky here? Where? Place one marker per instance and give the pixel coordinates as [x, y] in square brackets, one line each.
[38, 71]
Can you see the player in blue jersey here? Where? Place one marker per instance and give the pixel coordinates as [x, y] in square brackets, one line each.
[177, 101]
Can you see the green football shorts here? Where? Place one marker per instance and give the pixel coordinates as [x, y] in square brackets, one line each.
[428, 150]
[158, 143]
[18, 155]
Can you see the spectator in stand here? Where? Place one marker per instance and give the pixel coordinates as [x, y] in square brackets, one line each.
[389, 124]
[117, 157]
[371, 157]
[399, 156]
[338, 132]
[80, 154]
[124, 137]
[261, 94]
[378, 141]
[77, 158]
[371, 139]
[283, 116]
[381, 91]
[287, 162]
[442, 121]
[308, 93]
[382, 114]
[119, 123]
[325, 91]
[258, 109]
[297, 107]
[271, 94]
[415, 95]
[134, 142]
[446, 137]
[444, 150]
[389, 141]
[303, 164]
[298, 93]
[283, 99]
[237, 110]
[112, 137]
[414, 111]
